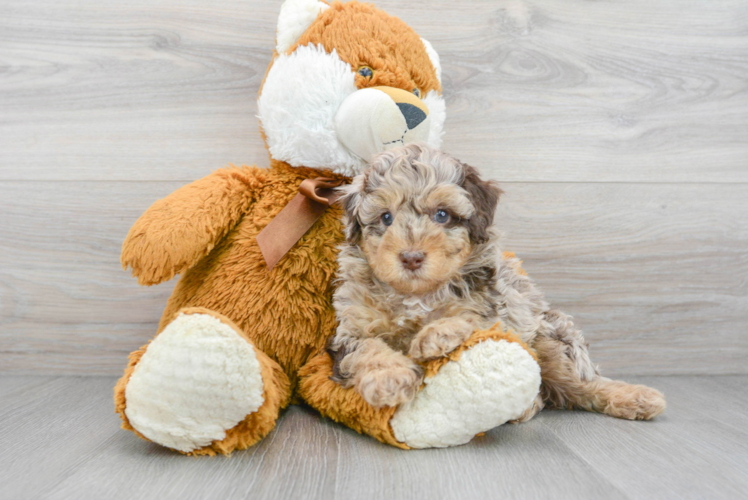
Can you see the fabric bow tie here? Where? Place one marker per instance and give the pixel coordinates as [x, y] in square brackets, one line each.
[291, 223]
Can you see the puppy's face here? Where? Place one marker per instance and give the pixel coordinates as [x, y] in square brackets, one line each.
[417, 214]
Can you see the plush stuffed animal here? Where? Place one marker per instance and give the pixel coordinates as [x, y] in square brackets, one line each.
[244, 332]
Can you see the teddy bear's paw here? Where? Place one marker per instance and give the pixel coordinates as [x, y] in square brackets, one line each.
[196, 380]
[491, 383]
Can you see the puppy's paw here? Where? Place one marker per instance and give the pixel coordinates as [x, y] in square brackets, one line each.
[635, 402]
[390, 386]
[439, 338]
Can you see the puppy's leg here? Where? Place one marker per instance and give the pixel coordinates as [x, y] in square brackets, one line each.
[440, 337]
[570, 380]
[383, 376]
[537, 405]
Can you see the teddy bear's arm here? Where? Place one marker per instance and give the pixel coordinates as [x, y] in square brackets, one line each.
[179, 230]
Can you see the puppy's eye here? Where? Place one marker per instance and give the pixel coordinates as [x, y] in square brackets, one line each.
[387, 219]
[417, 93]
[366, 72]
[441, 217]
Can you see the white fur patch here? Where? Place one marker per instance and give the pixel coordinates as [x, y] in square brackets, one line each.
[197, 379]
[491, 383]
[297, 107]
[294, 19]
[434, 56]
[437, 114]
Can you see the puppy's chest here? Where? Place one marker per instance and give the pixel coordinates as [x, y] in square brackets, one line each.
[414, 312]
[406, 320]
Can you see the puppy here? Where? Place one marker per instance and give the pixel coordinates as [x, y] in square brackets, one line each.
[416, 272]
[422, 270]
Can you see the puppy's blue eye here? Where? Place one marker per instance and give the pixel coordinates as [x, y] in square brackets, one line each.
[441, 216]
[365, 71]
[387, 219]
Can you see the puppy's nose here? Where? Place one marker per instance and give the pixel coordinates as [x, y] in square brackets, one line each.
[412, 260]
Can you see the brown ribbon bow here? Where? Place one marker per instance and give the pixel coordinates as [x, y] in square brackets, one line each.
[313, 198]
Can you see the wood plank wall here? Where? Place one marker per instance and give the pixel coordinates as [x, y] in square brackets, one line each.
[619, 131]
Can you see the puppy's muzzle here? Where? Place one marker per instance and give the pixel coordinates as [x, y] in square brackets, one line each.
[375, 119]
[412, 260]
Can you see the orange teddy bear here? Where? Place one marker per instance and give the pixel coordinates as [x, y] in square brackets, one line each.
[244, 332]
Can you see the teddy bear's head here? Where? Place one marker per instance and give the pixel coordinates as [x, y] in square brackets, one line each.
[347, 81]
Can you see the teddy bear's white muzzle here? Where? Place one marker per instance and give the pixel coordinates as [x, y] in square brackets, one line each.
[375, 119]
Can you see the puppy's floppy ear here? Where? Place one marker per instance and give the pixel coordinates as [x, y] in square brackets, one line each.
[350, 200]
[484, 195]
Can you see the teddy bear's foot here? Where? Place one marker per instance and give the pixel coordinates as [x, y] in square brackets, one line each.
[537, 405]
[201, 387]
[491, 379]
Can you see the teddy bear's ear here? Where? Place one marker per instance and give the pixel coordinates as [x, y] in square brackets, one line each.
[294, 19]
[434, 58]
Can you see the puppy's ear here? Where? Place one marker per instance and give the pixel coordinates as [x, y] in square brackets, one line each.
[350, 201]
[484, 195]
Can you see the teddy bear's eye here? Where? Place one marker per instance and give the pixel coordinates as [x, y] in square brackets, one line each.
[387, 219]
[417, 93]
[441, 216]
[366, 72]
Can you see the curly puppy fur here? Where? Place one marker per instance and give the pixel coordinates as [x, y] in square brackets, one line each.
[422, 269]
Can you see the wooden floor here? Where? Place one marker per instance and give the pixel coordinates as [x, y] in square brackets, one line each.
[59, 438]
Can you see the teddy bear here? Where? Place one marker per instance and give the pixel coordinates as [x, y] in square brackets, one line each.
[244, 332]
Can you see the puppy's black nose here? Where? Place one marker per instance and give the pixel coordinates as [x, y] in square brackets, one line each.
[412, 260]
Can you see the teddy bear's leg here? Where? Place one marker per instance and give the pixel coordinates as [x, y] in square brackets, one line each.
[489, 380]
[201, 387]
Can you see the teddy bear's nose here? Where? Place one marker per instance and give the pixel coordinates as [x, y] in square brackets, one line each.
[412, 260]
[374, 119]
[413, 115]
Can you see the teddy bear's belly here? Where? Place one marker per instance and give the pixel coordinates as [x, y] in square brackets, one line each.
[287, 312]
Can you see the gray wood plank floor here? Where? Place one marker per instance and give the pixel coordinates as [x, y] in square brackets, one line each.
[59, 439]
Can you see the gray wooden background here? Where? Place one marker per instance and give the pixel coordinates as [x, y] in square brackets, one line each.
[619, 131]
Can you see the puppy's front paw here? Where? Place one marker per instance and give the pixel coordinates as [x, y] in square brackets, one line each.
[391, 386]
[439, 338]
